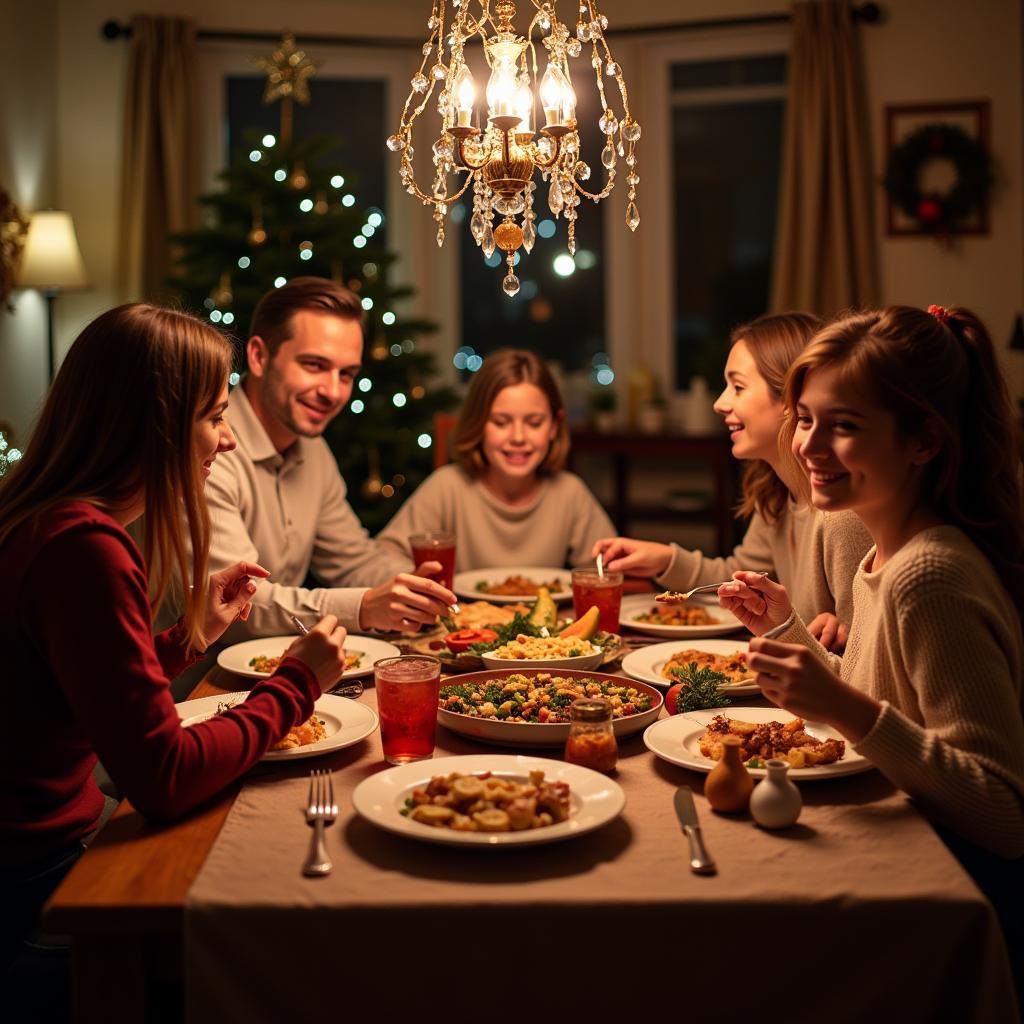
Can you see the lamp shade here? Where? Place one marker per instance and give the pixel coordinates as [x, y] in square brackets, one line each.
[51, 258]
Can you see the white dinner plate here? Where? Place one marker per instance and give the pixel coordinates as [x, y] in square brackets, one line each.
[675, 740]
[646, 663]
[346, 721]
[639, 604]
[465, 583]
[237, 657]
[595, 799]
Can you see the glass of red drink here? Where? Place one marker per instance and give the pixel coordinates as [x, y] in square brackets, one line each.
[435, 546]
[590, 588]
[407, 692]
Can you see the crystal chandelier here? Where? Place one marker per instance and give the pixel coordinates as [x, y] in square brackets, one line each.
[499, 160]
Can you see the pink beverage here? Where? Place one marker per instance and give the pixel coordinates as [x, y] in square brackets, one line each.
[435, 546]
[407, 692]
[590, 589]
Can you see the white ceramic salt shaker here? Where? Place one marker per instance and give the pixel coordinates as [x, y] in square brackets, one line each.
[776, 802]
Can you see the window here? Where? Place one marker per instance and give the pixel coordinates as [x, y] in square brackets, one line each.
[727, 117]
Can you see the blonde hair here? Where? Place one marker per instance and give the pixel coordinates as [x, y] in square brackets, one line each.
[774, 342]
[938, 374]
[119, 420]
[504, 369]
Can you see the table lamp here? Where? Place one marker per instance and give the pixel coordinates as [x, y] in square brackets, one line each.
[52, 262]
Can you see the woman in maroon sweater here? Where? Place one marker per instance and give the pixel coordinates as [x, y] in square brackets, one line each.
[131, 426]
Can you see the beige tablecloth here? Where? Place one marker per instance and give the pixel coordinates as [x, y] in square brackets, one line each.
[858, 911]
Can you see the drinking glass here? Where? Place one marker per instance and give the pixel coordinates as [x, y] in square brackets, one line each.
[435, 546]
[590, 588]
[407, 692]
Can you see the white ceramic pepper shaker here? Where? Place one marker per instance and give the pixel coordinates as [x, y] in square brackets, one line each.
[776, 802]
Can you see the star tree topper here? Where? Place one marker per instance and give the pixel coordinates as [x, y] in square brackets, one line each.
[288, 71]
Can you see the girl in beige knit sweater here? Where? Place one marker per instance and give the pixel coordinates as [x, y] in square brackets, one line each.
[903, 416]
[813, 556]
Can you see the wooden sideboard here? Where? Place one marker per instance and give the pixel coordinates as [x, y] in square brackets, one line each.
[626, 449]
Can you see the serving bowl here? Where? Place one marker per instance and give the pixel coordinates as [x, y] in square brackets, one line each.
[541, 734]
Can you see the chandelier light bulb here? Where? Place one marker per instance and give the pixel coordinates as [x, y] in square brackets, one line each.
[553, 89]
[522, 103]
[464, 89]
[500, 89]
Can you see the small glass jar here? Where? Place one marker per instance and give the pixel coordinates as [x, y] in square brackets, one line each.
[591, 740]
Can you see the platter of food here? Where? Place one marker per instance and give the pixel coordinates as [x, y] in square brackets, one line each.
[336, 723]
[257, 659]
[545, 652]
[654, 664]
[814, 750]
[529, 707]
[693, 618]
[510, 585]
[489, 800]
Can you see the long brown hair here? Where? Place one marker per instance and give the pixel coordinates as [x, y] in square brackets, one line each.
[119, 420]
[503, 369]
[774, 342]
[938, 373]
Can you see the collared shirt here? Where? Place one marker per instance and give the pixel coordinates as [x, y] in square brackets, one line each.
[288, 512]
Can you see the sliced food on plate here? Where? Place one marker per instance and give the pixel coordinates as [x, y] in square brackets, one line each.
[519, 586]
[489, 803]
[732, 665]
[763, 740]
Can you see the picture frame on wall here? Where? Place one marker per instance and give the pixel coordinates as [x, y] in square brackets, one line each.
[939, 168]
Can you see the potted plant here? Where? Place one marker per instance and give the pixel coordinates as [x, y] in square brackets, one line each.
[603, 402]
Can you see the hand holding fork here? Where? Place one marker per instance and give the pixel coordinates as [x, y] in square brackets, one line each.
[321, 811]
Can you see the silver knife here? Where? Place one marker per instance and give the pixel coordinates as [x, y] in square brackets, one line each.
[700, 862]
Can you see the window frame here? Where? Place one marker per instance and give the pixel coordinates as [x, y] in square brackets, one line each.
[641, 271]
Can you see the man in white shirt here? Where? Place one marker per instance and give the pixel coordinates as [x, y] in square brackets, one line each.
[278, 498]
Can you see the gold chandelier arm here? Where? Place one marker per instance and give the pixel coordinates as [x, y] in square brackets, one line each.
[468, 164]
[554, 156]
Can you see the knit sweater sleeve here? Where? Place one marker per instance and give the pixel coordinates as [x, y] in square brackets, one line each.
[100, 650]
[961, 755]
[796, 632]
[845, 542]
[692, 568]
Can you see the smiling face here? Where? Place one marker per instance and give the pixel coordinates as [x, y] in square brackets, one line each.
[306, 383]
[852, 450]
[518, 433]
[751, 411]
[211, 434]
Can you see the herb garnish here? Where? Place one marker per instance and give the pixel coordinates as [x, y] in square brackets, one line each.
[700, 688]
[520, 625]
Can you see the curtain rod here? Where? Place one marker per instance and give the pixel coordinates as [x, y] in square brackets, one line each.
[868, 13]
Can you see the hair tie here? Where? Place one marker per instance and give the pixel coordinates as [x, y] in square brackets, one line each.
[940, 313]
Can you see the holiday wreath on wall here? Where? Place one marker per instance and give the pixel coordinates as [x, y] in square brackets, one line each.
[954, 134]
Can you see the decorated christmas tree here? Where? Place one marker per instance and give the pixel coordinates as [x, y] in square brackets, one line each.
[280, 214]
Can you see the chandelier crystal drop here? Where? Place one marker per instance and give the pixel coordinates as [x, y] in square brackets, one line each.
[501, 158]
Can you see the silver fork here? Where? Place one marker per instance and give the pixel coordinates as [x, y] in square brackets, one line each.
[321, 811]
[687, 594]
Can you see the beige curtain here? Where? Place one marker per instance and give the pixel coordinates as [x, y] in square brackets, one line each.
[160, 172]
[825, 258]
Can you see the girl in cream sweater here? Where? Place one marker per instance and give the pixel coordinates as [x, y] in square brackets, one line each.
[508, 498]
[813, 556]
[903, 417]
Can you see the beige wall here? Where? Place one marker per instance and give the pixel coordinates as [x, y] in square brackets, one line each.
[930, 52]
[60, 128]
[28, 169]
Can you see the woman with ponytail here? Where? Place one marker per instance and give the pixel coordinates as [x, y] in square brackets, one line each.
[902, 415]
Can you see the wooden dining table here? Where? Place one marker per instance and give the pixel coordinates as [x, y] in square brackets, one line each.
[857, 911]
